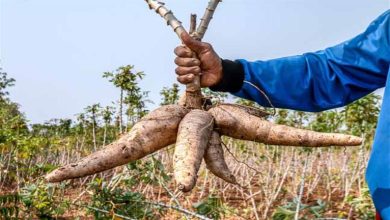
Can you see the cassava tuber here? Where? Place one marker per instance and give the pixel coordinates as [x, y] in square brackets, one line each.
[153, 132]
[215, 160]
[192, 139]
[237, 123]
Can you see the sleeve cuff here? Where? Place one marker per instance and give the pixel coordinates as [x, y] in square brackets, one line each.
[232, 78]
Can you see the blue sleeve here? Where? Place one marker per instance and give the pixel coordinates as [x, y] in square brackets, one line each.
[325, 79]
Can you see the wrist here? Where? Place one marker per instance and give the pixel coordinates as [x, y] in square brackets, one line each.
[231, 77]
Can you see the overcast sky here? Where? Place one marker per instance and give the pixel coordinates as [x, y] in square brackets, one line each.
[58, 50]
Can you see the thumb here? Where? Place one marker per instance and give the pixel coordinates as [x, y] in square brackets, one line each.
[191, 43]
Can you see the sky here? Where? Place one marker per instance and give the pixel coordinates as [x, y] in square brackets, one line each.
[58, 50]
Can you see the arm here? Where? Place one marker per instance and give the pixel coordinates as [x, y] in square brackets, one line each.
[316, 81]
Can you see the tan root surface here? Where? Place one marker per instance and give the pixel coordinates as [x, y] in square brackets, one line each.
[237, 123]
[215, 159]
[193, 136]
[153, 132]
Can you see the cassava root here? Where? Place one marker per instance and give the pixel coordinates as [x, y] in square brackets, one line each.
[215, 159]
[192, 139]
[238, 123]
[153, 132]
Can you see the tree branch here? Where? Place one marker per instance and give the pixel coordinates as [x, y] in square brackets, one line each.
[167, 14]
[205, 21]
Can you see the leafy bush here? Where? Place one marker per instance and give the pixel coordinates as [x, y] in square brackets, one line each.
[118, 201]
[362, 205]
[43, 200]
[212, 207]
[9, 206]
[148, 171]
[287, 212]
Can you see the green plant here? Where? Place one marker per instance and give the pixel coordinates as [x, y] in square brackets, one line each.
[150, 171]
[215, 97]
[362, 205]
[287, 212]
[170, 95]
[212, 207]
[118, 202]
[5, 82]
[126, 79]
[9, 206]
[43, 200]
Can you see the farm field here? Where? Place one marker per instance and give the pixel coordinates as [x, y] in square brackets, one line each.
[275, 182]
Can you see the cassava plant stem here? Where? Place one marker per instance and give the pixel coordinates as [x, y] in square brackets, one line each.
[205, 20]
[167, 14]
[193, 97]
[193, 91]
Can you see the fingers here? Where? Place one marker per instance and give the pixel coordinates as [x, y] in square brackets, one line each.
[187, 62]
[183, 51]
[193, 44]
[186, 78]
[181, 70]
[186, 75]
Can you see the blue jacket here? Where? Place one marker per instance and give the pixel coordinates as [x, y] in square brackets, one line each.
[328, 79]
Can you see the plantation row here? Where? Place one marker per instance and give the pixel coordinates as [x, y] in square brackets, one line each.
[276, 182]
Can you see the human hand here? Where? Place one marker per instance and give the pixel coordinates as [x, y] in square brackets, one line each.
[205, 63]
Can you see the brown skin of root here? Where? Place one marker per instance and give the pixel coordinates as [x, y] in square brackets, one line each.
[237, 123]
[192, 139]
[154, 132]
[182, 100]
[215, 160]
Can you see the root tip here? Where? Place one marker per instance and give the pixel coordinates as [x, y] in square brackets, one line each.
[183, 188]
[356, 141]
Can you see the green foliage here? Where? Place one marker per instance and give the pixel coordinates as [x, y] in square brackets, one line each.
[287, 212]
[124, 77]
[92, 112]
[107, 114]
[54, 127]
[5, 83]
[212, 207]
[28, 152]
[121, 200]
[127, 80]
[281, 116]
[12, 122]
[215, 97]
[118, 201]
[283, 213]
[170, 95]
[150, 171]
[247, 102]
[328, 121]
[362, 205]
[81, 123]
[9, 206]
[13, 132]
[361, 117]
[44, 200]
